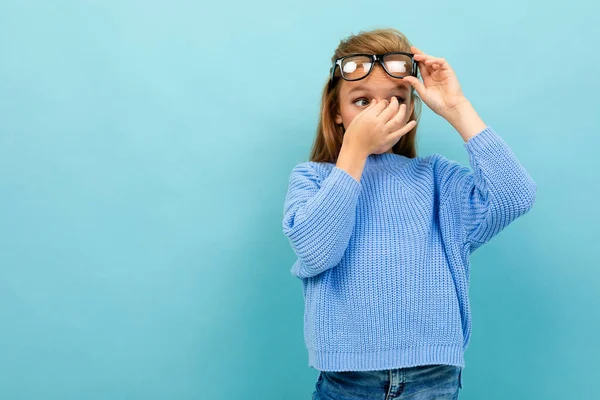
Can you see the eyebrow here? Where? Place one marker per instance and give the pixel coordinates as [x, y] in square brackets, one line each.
[362, 87]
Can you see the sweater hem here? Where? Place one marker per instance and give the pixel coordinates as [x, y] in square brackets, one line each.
[386, 359]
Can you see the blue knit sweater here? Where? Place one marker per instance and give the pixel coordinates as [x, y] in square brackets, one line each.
[384, 262]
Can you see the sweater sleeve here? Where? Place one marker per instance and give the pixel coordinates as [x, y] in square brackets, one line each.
[481, 203]
[318, 217]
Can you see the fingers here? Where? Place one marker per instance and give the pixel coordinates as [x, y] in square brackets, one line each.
[428, 58]
[389, 111]
[378, 106]
[416, 50]
[396, 120]
[425, 73]
[428, 63]
[431, 61]
[426, 66]
[396, 135]
[437, 63]
[417, 84]
[373, 107]
[420, 55]
[423, 68]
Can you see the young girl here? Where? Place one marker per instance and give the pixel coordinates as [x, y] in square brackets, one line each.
[383, 236]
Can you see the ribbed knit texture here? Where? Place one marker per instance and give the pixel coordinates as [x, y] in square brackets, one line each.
[384, 262]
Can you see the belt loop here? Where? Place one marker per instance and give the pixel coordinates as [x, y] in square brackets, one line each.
[460, 378]
[390, 384]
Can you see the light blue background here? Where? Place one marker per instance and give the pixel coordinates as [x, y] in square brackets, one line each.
[143, 174]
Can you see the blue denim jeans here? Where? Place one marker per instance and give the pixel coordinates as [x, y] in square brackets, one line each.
[423, 382]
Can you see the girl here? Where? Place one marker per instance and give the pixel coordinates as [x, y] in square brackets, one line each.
[383, 236]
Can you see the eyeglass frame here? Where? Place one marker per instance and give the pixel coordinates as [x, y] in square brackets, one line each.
[374, 58]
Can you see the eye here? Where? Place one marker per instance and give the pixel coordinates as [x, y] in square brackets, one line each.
[359, 99]
[400, 99]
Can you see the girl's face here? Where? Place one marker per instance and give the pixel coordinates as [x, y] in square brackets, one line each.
[355, 96]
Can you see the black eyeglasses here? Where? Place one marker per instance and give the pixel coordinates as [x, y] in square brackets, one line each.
[354, 67]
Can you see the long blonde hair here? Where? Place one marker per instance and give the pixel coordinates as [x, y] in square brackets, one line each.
[329, 137]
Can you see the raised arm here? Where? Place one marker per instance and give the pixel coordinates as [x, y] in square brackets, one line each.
[482, 202]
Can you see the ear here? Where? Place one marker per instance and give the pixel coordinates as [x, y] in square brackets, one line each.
[338, 119]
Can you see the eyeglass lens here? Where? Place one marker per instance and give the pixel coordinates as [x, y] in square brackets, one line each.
[356, 67]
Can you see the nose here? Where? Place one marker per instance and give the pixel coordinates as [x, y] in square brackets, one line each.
[386, 99]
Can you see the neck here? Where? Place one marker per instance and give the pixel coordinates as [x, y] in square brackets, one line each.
[385, 159]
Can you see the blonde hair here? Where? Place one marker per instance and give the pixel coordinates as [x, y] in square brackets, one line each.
[329, 137]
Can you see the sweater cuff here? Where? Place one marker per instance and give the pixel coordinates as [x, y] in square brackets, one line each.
[487, 139]
[342, 177]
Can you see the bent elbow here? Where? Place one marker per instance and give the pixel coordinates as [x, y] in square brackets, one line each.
[527, 196]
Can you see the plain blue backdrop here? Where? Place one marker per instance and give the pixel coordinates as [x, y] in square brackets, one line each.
[145, 149]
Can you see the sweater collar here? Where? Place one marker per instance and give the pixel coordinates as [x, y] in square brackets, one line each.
[385, 159]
